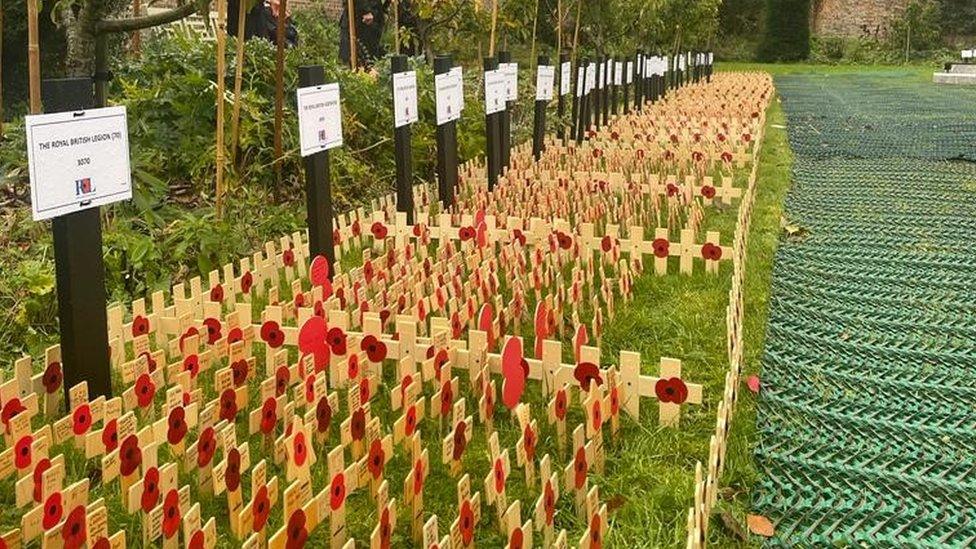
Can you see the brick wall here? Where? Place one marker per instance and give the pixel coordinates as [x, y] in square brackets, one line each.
[854, 18]
[332, 7]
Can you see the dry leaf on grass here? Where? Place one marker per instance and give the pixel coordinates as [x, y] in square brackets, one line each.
[760, 525]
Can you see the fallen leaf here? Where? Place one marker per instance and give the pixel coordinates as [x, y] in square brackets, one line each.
[753, 383]
[616, 502]
[760, 525]
[732, 525]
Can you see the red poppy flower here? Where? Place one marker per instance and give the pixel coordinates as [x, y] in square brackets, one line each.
[747, 137]
[206, 446]
[297, 533]
[358, 424]
[565, 241]
[727, 157]
[269, 415]
[272, 335]
[150, 489]
[213, 330]
[260, 509]
[197, 540]
[192, 364]
[673, 189]
[671, 390]
[247, 280]
[708, 191]
[39, 469]
[460, 440]
[75, 529]
[228, 405]
[356, 229]
[580, 467]
[288, 258]
[528, 442]
[467, 523]
[232, 477]
[377, 458]
[190, 332]
[23, 452]
[110, 435]
[177, 427]
[597, 415]
[418, 476]
[385, 530]
[336, 338]
[597, 153]
[364, 391]
[150, 362]
[52, 378]
[439, 361]
[585, 372]
[171, 513]
[561, 404]
[596, 536]
[606, 243]
[217, 294]
[145, 390]
[11, 409]
[466, 233]
[379, 230]
[447, 398]
[53, 511]
[516, 539]
[235, 335]
[519, 236]
[240, 370]
[711, 251]
[82, 419]
[103, 543]
[130, 455]
[282, 379]
[674, 138]
[337, 491]
[549, 503]
[662, 248]
[499, 472]
[299, 449]
[367, 272]
[614, 401]
[299, 300]
[140, 326]
[323, 414]
[411, 420]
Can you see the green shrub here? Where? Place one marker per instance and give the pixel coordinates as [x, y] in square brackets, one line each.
[787, 32]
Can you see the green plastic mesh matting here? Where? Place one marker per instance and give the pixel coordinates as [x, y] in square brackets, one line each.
[867, 417]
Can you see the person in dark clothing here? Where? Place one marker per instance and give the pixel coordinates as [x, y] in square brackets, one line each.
[260, 22]
[369, 21]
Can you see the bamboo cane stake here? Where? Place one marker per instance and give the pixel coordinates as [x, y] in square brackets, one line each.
[535, 24]
[353, 46]
[221, 44]
[579, 10]
[1, 70]
[136, 36]
[33, 58]
[494, 25]
[559, 27]
[396, 26]
[235, 121]
[280, 92]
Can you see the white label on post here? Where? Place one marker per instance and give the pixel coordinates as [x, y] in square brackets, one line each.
[618, 73]
[602, 74]
[544, 80]
[580, 82]
[457, 73]
[609, 72]
[511, 80]
[404, 98]
[495, 89]
[319, 118]
[630, 72]
[591, 78]
[566, 79]
[77, 160]
[446, 89]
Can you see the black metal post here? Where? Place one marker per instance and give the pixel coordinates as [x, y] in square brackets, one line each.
[638, 81]
[447, 155]
[402, 152]
[626, 86]
[577, 96]
[539, 128]
[505, 122]
[561, 106]
[597, 91]
[614, 89]
[79, 269]
[584, 109]
[318, 185]
[492, 144]
[608, 79]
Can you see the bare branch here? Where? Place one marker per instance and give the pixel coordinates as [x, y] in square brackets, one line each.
[154, 20]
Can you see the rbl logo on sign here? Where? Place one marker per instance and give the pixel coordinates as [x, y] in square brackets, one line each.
[84, 187]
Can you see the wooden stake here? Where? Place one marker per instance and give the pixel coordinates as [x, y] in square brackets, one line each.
[353, 49]
[535, 25]
[559, 28]
[579, 10]
[494, 25]
[280, 90]
[136, 36]
[396, 26]
[235, 121]
[33, 58]
[221, 43]
[1, 70]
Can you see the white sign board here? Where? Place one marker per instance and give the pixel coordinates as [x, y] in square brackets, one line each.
[565, 78]
[458, 74]
[495, 91]
[544, 80]
[590, 78]
[511, 80]
[618, 73]
[630, 72]
[404, 98]
[77, 160]
[319, 118]
[447, 90]
[968, 54]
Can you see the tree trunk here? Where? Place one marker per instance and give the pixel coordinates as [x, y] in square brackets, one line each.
[79, 35]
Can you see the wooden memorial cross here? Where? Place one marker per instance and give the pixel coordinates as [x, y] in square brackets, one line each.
[25, 448]
[145, 495]
[519, 535]
[496, 478]
[343, 481]
[196, 533]
[321, 412]
[413, 412]
[85, 525]
[46, 385]
[387, 515]
[443, 400]
[165, 520]
[227, 476]
[353, 428]
[432, 539]
[253, 518]
[526, 445]
[143, 380]
[379, 453]
[669, 388]
[200, 455]
[47, 478]
[299, 451]
[577, 471]
[57, 502]
[180, 418]
[558, 406]
[545, 507]
[413, 485]
[595, 404]
[458, 438]
[597, 523]
[83, 416]
[469, 515]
